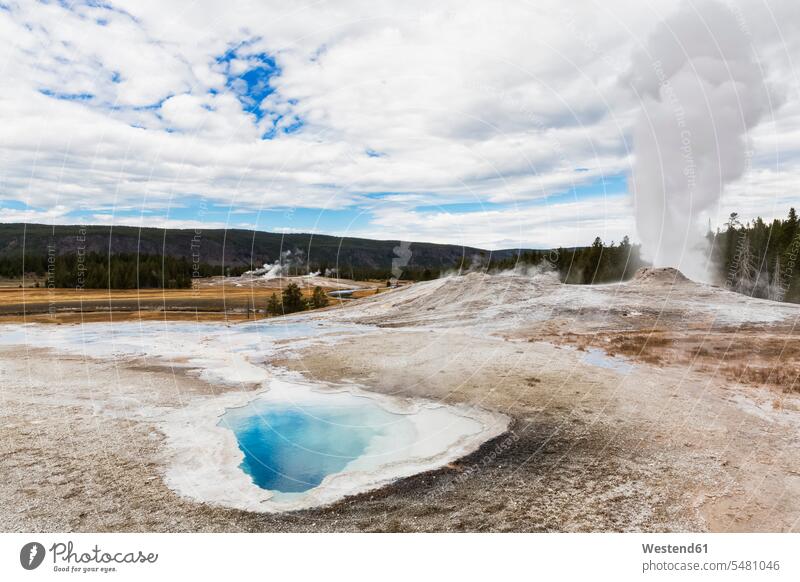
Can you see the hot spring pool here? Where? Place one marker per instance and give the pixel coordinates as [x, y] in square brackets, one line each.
[302, 445]
[291, 447]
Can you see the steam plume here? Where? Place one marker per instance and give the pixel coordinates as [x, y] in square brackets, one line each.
[701, 90]
[281, 267]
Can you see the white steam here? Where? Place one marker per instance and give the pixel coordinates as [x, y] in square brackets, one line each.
[701, 90]
[280, 268]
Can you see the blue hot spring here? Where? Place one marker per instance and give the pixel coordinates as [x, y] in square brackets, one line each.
[292, 447]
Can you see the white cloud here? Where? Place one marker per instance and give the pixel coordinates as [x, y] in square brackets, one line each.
[455, 100]
[531, 226]
[155, 222]
[49, 216]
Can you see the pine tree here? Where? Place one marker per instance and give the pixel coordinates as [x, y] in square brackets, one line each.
[596, 259]
[776, 283]
[790, 229]
[744, 272]
[319, 299]
[274, 306]
[293, 299]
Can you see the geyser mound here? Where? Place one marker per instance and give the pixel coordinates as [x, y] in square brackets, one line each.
[669, 275]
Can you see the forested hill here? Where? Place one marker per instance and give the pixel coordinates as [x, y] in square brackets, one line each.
[756, 258]
[235, 250]
[759, 258]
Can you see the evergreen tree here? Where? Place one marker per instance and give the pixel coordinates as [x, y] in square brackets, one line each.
[596, 260]
[293, 299]
[744, 272]
[274, 306]
[319, 299]
[776, 283]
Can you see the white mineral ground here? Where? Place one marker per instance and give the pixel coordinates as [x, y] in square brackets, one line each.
[654, 405]
[203, 459]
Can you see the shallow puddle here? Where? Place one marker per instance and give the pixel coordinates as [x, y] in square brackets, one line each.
[597, 357]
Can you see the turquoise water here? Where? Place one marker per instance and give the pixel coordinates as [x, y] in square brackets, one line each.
[292, 448]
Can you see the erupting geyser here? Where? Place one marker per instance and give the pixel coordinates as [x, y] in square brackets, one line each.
[701, 90]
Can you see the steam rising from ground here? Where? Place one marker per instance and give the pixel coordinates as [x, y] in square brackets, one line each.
[283, 266]
[701, 90]
[269, 270]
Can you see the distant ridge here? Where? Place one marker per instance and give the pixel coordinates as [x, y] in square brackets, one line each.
[235, 248]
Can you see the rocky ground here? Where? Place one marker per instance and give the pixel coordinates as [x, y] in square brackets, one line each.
[654, 405]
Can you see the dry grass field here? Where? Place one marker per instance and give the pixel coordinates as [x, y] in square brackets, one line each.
[217, 303]
[211, 299]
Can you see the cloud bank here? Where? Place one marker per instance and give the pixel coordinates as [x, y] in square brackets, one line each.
[415, 115]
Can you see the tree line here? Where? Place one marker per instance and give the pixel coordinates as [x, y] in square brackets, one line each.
[101, 271]
[598, 263]
[758, 258]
